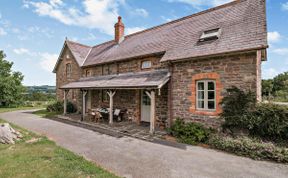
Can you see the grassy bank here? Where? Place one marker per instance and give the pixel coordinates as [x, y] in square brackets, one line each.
[18, 108]
[45, 113]
[43, 158]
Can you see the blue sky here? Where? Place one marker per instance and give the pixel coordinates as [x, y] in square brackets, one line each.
[32, 32]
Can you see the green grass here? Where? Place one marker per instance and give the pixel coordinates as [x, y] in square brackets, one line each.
[45, 113]
[44, 159]
[18, 108]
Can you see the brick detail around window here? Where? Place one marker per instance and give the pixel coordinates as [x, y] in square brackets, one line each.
[219, 88]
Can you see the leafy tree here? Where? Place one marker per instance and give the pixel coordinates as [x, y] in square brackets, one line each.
[11, 87]
[267, 87]
[281, 82]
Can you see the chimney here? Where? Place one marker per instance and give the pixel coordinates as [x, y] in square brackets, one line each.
[119, 30]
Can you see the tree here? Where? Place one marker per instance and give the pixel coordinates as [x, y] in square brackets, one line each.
[11, 88]
[267, 87]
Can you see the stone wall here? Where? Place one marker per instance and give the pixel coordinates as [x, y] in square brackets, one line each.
[74, 96]
[241, 71]
[123, 67]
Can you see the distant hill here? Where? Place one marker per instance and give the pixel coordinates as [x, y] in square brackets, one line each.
[41, 89]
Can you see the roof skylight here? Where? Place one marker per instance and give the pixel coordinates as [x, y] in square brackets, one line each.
[210, 35]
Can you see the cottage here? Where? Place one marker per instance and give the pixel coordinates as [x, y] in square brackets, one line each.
[178, 69]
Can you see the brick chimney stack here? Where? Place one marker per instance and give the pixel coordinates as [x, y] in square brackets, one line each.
[119, 30]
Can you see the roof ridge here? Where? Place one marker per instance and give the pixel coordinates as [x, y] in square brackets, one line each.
[78, 43]
[187, 17]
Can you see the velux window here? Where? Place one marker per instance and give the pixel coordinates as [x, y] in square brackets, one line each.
[210, 35]
[206, 95]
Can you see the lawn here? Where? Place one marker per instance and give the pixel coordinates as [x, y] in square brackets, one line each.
[43, 158]
[18, 108]
[46, 114]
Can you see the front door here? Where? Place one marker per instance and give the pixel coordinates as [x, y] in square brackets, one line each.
[145, 107]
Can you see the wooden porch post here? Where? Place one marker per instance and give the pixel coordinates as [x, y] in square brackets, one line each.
[84, 92]
[65, 101]
[111, 94]
[152, 112]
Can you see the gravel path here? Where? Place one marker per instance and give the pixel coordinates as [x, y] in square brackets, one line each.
[133, 158]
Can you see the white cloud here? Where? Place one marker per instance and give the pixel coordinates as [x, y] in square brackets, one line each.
[280, 51]
[285, 6]
[269, 73]
[48, 61]
[274, 37]
[199, 3]
[98, 14]
[24, 51]
[134, 30]
[141, 12]
[2, 32]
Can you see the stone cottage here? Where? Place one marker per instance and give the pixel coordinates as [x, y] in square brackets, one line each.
[178, 69]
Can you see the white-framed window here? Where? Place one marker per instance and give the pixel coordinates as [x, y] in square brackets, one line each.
[206, 95]
[146, 64]
[68, 70]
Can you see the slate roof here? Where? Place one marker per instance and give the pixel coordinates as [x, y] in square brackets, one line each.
[242, 24]
[147, 79]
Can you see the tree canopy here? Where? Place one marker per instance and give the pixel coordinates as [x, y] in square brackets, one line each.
[276, 87]
[11, 88]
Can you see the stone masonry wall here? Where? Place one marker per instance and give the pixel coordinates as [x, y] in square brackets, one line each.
[240, 70]
[74, 96]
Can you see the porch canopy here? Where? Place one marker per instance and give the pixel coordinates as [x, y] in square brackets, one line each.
[140, 80]
[148, 80]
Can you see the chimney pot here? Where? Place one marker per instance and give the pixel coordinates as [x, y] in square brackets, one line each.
[119, 30]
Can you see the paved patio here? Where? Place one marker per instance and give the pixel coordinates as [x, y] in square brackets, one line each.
[127, 128]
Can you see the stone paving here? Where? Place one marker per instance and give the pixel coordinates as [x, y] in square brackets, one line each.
[127, 128]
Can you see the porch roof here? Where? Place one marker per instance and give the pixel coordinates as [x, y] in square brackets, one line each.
[139, 80]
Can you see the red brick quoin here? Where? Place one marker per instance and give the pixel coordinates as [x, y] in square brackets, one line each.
[219, 87]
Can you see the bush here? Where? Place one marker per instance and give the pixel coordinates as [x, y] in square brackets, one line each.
[59, 107]
[252, 148]
[268, 121]
[55, 107]
[71, 108]
[236, 105]
[189, 133]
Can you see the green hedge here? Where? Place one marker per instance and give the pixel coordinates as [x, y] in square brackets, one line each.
[248, 147]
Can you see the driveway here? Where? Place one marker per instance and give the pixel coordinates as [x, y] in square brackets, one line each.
[129, 157]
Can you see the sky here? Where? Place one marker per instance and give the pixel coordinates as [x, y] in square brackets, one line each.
[32, 32]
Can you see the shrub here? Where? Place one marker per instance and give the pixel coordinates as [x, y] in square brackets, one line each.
[189, 133]
[71, 108]
[252, 148]
[268, 121]
[236, 105]
[55, 107]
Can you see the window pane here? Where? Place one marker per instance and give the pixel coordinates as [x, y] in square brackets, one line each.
[201, 104]
[200, 85]
[146, 64]
[211, 86]
[211, 95]
[200, 94]
[211, 104]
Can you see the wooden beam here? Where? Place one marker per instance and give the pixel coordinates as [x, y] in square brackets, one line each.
[152, 111]
[65, 101]
[111, 95]
[84, 92]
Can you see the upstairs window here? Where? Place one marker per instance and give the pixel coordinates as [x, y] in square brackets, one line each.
[206, 95]
[210, 35]
[146, 64]
[68, 70]
[88, 73]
